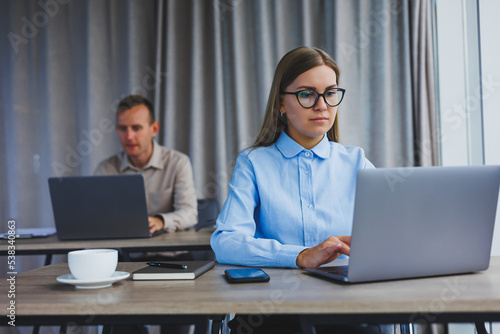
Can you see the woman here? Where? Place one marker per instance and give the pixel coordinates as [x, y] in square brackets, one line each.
[291, 198]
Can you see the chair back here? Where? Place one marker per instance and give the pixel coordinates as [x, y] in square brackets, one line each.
[208, 211]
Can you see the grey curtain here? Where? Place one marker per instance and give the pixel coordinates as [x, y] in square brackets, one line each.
[208, 66]
[217, 59]
[62, 74]
[425, 115]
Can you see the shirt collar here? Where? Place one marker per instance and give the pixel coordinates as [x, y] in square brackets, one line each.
[290, 148]
[154, 161]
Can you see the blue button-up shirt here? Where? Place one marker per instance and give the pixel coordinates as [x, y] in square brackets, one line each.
[284, 198]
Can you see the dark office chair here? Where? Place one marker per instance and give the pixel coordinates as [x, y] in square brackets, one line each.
[208, 211]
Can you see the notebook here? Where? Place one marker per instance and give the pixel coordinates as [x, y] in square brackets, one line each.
[99, 207]
[193, 270]
[422, 221]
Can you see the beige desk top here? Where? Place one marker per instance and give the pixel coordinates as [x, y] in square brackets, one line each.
[184, 240]
[289, 291]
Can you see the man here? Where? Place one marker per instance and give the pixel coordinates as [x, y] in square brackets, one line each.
[167, 173]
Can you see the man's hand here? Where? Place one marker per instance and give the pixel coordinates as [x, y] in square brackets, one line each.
[155, 224]
[325, 252]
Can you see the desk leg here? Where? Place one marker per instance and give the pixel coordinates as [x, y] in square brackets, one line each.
[406, 328]
[201, 325]
[306, 325]
[48, 259]
[218, 322]
[36, 329]
[124, 255]
[480, 328]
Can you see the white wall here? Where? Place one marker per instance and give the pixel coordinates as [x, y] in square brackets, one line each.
[490, 56]
[451, 70]
[464, 139]
[462, 142]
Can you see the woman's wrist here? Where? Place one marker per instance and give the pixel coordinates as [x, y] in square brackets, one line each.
[300, 259]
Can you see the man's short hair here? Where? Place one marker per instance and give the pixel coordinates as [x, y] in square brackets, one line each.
[136, 100]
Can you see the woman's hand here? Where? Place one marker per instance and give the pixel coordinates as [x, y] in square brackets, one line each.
[155, 224]
[325, 252]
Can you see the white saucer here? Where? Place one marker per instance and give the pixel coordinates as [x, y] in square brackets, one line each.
[93, 284]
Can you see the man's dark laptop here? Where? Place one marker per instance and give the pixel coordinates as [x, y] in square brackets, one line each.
[99, 207]
[423, 221]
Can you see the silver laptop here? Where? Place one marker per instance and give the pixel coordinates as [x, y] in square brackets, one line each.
[99, 207]
[422, 221]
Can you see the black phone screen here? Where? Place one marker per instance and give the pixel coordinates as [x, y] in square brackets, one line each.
[247, 275]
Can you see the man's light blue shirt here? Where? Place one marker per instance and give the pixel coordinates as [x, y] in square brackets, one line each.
[284, 198]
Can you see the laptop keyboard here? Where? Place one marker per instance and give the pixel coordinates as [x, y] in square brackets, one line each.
[340, 270]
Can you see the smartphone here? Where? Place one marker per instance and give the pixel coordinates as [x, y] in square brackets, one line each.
[247, 275]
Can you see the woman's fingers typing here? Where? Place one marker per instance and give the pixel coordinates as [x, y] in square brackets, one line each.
[325, 252]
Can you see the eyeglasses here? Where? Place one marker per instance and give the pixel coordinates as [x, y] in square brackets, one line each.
[308, 98]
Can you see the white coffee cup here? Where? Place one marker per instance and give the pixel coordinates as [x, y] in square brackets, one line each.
[92, 264]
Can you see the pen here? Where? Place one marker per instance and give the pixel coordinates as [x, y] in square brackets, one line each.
[167, 265]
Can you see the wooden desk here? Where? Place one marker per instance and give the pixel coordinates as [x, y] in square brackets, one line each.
[184, 240]
[41, 300]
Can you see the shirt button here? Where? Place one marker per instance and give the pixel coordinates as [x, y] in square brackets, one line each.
[312, 239]
[310, 206]
[308, 154]
[306, 172]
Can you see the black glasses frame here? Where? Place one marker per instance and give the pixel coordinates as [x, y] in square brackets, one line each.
[317, 96]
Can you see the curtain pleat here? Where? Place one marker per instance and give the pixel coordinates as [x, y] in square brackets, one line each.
[423, 84]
